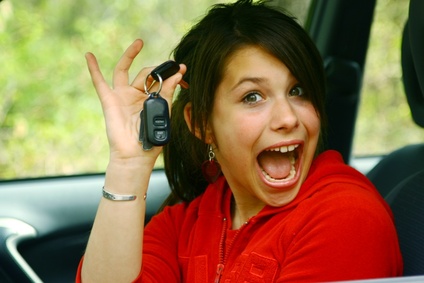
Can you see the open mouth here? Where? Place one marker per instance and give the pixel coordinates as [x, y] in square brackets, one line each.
[279, 164]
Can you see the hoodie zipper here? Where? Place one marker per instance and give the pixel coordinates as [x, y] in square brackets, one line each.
[223, 256]
[220, 266]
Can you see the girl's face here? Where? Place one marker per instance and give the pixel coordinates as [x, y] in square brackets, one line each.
[264, 129]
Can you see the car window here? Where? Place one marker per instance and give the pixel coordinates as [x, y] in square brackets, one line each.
[50, 118]
[384, 120]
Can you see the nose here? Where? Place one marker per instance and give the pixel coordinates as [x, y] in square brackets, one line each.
[284, 115]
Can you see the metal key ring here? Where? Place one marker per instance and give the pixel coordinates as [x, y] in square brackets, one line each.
[146, 89]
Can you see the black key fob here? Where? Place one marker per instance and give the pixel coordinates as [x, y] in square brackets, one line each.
[165, 70]
[155, 122]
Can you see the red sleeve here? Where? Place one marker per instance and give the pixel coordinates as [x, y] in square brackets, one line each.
[160, 261]
[78, 276]
[347, 234]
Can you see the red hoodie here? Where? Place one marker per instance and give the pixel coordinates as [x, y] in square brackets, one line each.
[337, 228]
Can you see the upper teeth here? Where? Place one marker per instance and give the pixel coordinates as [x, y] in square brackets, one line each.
[284, 148]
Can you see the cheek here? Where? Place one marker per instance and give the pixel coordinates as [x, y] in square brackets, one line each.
[312, 122]
[235, 135]
[235, 128]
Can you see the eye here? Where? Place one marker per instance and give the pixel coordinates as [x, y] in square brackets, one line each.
[297, 91]
[252, 98]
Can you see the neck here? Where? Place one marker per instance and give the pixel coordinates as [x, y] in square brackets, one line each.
[241, 212]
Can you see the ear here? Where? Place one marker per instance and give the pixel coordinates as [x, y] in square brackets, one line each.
[196, 132]
[187, 118]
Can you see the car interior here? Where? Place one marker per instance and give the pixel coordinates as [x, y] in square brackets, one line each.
[400, 175]
[45, 222]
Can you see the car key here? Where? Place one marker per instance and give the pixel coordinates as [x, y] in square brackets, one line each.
[155, 121]
[164, 70]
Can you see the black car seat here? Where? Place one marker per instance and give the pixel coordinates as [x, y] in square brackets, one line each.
[400, 175]
[407, 203]
[400, 164]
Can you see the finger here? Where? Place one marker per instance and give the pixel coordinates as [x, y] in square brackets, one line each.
[183, 83]
[170, 84]
[120, 74]
[97, 78]
[139, 80]
[177, 79]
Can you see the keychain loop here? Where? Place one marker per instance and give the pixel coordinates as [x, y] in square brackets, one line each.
[146, 89]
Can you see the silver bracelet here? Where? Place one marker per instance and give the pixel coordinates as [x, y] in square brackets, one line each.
[116, 197]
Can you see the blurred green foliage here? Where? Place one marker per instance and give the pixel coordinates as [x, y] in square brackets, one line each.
[385, 122]
[50, 118]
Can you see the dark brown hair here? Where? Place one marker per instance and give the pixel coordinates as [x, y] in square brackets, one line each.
[204, 50]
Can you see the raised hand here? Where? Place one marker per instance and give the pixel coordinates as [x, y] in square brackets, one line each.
[123, 102]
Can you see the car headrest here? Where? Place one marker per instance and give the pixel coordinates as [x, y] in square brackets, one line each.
[413, 60]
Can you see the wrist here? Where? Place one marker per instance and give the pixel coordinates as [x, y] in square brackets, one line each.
[128, 177]
[133, 159]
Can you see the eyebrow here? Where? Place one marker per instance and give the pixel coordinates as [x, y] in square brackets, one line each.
[256, 80]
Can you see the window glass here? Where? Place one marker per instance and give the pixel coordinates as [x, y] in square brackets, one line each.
[384, 120]
[50, 118]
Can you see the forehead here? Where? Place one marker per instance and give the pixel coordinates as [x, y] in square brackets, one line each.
[252, 62]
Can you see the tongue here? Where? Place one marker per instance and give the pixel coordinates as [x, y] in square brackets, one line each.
[276, 164]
